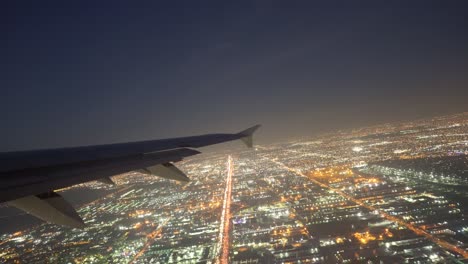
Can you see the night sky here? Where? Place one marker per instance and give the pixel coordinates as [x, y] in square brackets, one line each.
[80, 73]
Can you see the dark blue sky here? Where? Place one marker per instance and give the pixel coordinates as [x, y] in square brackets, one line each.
[78, 73]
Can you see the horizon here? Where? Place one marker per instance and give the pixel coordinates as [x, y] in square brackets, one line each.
[278, 141]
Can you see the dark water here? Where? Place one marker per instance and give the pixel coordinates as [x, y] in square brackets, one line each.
[12, 219]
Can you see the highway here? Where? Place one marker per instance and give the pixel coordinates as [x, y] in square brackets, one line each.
[224, 228]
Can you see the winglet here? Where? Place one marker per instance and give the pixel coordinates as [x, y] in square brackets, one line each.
[246, 135]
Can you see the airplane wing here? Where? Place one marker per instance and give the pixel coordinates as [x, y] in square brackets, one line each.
[28, 178]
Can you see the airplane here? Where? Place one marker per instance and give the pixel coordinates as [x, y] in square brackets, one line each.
[28, 178]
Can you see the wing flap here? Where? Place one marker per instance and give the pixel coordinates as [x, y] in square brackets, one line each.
[168, 171]
[50, 207]
[106, 180]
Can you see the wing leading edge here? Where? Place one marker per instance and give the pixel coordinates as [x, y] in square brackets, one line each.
[28, 178]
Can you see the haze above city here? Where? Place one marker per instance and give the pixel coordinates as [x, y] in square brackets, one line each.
[101, 72]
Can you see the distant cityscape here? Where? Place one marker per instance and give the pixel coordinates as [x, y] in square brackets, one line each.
[392, 193]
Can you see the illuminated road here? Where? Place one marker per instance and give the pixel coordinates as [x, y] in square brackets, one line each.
[223, 239]
[411, 227]
[151, 238]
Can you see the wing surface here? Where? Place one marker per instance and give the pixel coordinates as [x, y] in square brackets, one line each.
[28, 178]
